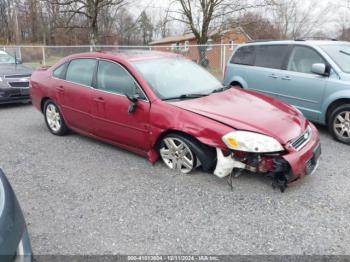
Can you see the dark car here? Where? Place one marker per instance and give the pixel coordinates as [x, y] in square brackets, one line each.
[14, 240]
[14, 80]
[163, 105]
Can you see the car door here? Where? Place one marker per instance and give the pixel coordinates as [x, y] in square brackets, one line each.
[299, 86]
[75, 93]
[112, 119]
[267, 70]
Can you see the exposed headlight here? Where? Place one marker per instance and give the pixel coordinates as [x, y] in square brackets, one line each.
[251, 142]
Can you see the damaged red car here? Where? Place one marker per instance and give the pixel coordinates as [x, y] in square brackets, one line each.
[162, 105]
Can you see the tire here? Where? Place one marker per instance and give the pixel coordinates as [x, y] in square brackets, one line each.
[54, 119]
[237, 85]
[339, 123]
[172, 156]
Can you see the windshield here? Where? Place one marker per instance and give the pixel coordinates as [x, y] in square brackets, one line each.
[6, 58]
[340, 54]
[177, 77]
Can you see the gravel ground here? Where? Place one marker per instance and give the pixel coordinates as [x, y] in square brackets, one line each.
[81, 196]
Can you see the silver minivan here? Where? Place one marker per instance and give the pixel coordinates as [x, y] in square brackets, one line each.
[314, 76]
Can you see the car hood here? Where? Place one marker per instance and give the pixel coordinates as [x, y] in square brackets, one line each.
[14, 69]
[250, 111]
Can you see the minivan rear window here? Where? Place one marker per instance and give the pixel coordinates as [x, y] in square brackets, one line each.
[271, 56]
[245, 55]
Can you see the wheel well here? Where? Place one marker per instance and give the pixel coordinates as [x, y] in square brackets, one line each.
[43, 103]
[205, 153]
[173, 131]
[334, 105]
[236, 83]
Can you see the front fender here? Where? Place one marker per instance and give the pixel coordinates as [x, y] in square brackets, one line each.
[343, 94]
[165, 117]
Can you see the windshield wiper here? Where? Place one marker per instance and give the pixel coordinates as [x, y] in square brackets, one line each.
[221, 89]
[344, 52]
[186, 96]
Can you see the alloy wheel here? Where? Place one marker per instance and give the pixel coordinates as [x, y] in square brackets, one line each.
[341, 124]
[53, 118]
[177, 155]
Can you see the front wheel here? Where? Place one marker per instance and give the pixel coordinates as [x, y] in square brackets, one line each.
[339, 123]
[176, 153]
[54, 119]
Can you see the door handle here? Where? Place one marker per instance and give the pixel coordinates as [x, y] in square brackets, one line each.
[99, 100]
[286, 78]
[60, 89]
[273, 76]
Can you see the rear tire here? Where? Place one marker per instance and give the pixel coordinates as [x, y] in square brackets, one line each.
[339, 123]
[54, 119]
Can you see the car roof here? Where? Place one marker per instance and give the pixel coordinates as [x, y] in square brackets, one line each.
[128, 55]
[3, 52]
[301, 42]
[137, 55]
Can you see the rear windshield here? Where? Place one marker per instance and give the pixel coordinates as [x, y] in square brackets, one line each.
[340, 54]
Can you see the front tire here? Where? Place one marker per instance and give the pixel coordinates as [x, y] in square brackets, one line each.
[177, 153]
[54, 119]
[339, 123]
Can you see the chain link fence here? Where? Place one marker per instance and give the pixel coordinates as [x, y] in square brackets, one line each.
[212, 57]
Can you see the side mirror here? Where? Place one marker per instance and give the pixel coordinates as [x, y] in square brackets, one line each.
[18, 61]
[133, 102]
[319, 69]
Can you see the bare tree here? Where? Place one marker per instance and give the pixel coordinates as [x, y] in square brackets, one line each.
[296, 19]
[256, 25]
[201, 15]
[146, 28]
[162, 26]
[89, 9]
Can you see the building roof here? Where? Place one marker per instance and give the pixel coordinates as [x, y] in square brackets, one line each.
[185, 37]
[172, 39]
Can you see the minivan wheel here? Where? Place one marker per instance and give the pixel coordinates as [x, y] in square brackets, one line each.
[339, 123]
[54, 119]
[176, 152]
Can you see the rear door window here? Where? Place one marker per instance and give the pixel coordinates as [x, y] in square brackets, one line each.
[244, 56]
[302, 58]
[81, 71]
[271, 56]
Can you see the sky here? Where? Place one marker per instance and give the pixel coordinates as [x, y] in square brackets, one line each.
[339, 12]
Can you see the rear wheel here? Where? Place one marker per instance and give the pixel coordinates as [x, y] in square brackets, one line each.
[339, 123]
[54, 119]
[176, 153]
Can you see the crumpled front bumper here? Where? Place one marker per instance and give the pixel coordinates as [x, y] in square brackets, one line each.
[293, 164]
[299, 161]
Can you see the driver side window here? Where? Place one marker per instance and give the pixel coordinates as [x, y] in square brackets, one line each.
[302, 58]
[113, 78]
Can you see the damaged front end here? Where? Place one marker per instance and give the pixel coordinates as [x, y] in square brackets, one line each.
[256, 153]
[272, 165]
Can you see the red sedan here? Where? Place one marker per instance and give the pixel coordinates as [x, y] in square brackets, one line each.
[158, 104]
